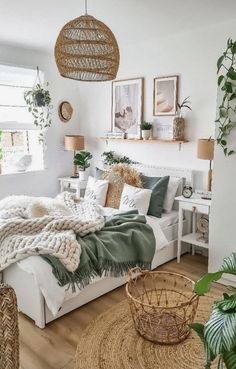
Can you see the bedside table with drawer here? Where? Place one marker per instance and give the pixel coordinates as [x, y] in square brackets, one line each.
[196, 205]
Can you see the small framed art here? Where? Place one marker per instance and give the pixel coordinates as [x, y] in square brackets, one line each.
[127, 106]
[165, 94]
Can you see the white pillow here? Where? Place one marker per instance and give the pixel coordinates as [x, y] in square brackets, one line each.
[96, 191]
[171, 193]
[135, 198]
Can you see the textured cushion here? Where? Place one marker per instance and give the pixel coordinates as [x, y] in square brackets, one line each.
[117, 176]
[135, 198]
[158, 185]
[172, 188]
[96, 191]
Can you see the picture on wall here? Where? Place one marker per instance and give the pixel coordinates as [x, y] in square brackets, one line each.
[165, 95]
[127, 106]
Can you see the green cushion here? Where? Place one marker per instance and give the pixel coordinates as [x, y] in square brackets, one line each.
[158, 185]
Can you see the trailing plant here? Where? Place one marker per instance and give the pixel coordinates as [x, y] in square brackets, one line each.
[227, 108]
[110, 158]
[146, 126]
[82, 159]
[184, 105]
[38, 100]
[218, 335]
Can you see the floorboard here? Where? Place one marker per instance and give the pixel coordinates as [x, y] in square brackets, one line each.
[54, 347]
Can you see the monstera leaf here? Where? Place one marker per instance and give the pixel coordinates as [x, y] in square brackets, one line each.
[204, 284]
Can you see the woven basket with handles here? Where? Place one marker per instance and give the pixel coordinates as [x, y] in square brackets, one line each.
[162, 305]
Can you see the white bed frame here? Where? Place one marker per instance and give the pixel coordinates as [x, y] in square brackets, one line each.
[30, 299]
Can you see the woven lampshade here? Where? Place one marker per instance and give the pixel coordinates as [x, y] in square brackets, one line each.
[87, 50]
[74, 143]
[205, 149]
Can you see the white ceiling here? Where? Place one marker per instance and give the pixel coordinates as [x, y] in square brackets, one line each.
[36, 24]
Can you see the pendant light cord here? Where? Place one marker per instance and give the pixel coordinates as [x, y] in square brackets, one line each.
[86, 7]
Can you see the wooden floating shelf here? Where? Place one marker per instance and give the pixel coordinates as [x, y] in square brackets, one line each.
[151, 141]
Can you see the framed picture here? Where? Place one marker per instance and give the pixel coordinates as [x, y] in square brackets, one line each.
[165, 95]
[127, 106]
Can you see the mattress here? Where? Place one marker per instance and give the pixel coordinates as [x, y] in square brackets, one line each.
[167, 219]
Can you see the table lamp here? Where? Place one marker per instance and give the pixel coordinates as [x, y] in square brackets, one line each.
[74, 143]
[205, 151]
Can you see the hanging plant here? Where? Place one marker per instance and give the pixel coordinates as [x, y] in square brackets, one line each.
[227, 108]
[38, 101]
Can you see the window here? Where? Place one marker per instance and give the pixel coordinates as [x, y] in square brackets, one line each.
[19, 141]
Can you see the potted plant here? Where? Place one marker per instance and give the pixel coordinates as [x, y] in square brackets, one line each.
[38, 100]
[218, 335]
[82, 159]
[146, 130]
[179, 122]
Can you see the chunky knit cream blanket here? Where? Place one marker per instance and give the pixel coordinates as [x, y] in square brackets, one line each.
[54, 232]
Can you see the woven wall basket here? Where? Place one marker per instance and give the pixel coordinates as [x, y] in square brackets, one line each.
[86, 50]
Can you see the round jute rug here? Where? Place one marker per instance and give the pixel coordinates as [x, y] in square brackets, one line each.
[111, 342]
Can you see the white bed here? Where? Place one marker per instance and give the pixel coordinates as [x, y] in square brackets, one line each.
[32, 294]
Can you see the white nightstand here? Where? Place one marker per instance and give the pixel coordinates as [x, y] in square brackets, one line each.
[68, 183]
[196, 205]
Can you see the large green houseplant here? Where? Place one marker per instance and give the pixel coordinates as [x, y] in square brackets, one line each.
[226, 69]
[219, 333]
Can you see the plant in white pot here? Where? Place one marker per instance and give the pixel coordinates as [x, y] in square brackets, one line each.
[146, 130]
[179, 122]
[82, 160]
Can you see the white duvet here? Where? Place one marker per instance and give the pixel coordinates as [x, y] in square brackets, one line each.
[54, 294]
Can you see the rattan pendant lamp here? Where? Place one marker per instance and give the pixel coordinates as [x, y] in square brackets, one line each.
[86, 50]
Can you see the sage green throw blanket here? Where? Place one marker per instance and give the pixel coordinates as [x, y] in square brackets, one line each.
[126, 241]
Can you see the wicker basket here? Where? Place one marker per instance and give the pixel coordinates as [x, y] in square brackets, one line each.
[162, 305]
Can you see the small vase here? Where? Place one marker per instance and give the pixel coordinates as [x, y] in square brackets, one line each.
[146, 134]
[178, 129]
[83, 175]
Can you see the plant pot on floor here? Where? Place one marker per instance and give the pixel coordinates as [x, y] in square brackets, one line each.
[146, 134]
[178, 129]
[83, 175]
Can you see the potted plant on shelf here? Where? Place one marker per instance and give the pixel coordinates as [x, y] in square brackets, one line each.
[218, 335]
[179, 122]
[82, 159]
[146, 130]
[38, 101]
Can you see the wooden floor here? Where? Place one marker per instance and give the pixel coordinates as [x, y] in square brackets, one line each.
[54, 347]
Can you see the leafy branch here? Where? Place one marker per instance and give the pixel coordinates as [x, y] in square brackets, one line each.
[227, 83]
[184, 105]
[110, 158]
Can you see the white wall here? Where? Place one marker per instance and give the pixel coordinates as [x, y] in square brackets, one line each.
[58, 162]
[191, 55]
